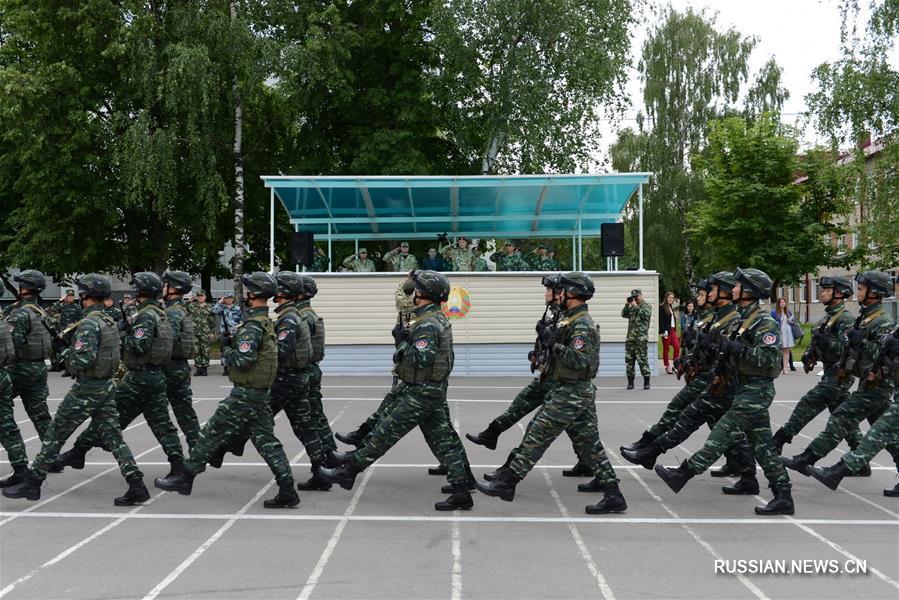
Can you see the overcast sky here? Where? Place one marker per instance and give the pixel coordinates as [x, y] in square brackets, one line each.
[800, 34]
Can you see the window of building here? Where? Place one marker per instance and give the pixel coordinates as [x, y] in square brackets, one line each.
[813, 288]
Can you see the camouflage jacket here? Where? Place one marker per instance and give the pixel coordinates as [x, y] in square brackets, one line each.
[509, 262]
[65, 313]
[638, 321]
[398, 262]
[353, 263]
[457, 258]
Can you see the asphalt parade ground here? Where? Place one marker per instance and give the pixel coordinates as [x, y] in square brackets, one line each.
[383, 539]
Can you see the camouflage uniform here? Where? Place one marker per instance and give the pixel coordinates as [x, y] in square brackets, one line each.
[866, 402]
[92, 359]
[509, 262]
[10, 436]
[228, 323]
[829, 393]
[114, 313]
[62, 315]
[319, 420]
[204, 323]
[320, 262]
[146, 349]
[570, 404]
[28, 372]
[480, 265]
[246, 410]
[400, 262]
[552, 264]
[177, 371]
[458, 259]
[537, 262]
[424, 364]
[357, 265]
[755, 366]
[637, 335]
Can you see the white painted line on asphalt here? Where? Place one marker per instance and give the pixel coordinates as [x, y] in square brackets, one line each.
[284, 516]
[74, 548]
[456, 536]
[316, 574]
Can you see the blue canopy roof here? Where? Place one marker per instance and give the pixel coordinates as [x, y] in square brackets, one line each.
[416, 207]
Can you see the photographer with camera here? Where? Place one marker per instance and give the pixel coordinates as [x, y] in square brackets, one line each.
[638, 313]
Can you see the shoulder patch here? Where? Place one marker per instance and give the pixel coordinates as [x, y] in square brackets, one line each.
[421, 344]
[244, 347]
[282, 334]
[79, 344]
[578, 342]
[140, 333]
[769, 339]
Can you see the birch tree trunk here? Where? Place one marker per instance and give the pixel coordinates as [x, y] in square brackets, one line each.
[239, 247]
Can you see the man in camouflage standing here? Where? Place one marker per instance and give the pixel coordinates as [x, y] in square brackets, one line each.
[146, 349]
[508, 259]
[552, 263]
[31, 339]
[459, 257]
[316, 327]
[359, 262]
[320, 261]
[399, 259]
[538, 261]
[10, 436]
[570, 403]
[177, 371]
[863, 344]
[754, 357]
[92, 359]
[63, 313]
[638, 315]
[230, 315]
[424, 359]
[204, 322]
[254, 362]
[112, 310]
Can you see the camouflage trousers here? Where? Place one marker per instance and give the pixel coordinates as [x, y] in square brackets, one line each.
[884, 433]
[826, 394]
[180, 396]
[386, 405]
[87, 399]
[569, 407]
[527, 401]
[861, 404]
[747, 415]
[201, 351]
[245, 412]
[635, 350]
[141, 393]
[29, 382]
[686, 396]
[423, 406]
[10, 436]
[319, 420]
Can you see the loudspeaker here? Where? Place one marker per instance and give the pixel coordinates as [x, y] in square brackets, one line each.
[302, 247]
[612, 239]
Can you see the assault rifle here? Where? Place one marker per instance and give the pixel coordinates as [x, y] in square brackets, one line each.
[885, 364]
[721, 374]
[813, 353]
[546, 336]
[852, 352]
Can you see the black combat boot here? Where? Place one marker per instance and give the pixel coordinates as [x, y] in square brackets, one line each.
[645, 457]
[831, 476]
[728, 470]
[630, 382]
[354, 438]
[645, 440]
[503, 487]
[782, 504]
[18, 476]
[488, 437]
[498, 472]
[198, 372]
[863, 472]
[438, 470]
[594, 485]
[747, 485]
[344, 475]
[182, 482]
[892, 492]
[238, 446]
[176, 467]
[781, 439]
[578, 470]
[801, 463]
[612, 502]
[29, 488]
[218, 458]
[335, 459]
[459, 499]
[676, 478]
[315, 483]
[225, 371]
[286, 497]
[137, 493]
[70, 458]
[646, 383]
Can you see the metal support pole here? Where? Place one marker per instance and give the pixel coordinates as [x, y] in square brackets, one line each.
[580, 244]
[330, 258]
[271, 234]
[574, 251]
[357, 245]
[640, 196]
[296, 228]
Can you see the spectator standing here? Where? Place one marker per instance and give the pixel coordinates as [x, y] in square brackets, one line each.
[230, 318]
[688, 320]
[432, 262]
[785, 320]
[668, 330]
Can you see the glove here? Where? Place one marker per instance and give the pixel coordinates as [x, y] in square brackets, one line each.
[891, 345]
[397, 357]
[123, 325]
[856, 336]
[550, 336]
[58, 345]
[540, 327]
[704, 339]
[399, 333]
[732, 347]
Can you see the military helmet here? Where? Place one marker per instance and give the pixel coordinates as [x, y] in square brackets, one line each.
[840, 284]
[179, 280]
[754, 282]
[724, 280]
[704, 285]
[577, 284]
[260, 284]
[147, 283]
[553, 281]
[310, 287]
[94, 285]
[290, 283]
[878, 282]
[31, 279]
[432, 285]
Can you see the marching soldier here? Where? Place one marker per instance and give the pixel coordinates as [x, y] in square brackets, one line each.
[359, 262]
[754, 356]
[146, 349]
[129, 306]
[31, 340]
[10, 436]
[204, 323]
[254, 363]
[458, 255]
[177, 371]
[63, 313]
[638, 315]
[92, 358]
[399, 259]
[863, 343]
[316, 327]
[570, 403]
[112, 310]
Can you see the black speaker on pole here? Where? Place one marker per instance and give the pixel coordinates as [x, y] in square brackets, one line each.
[302, 247]
[612, 239]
